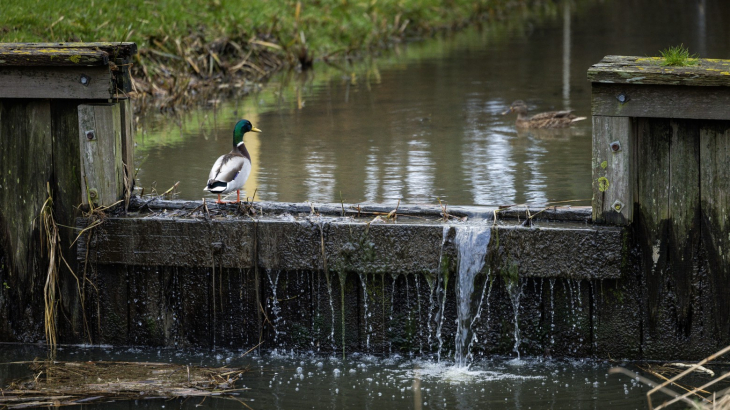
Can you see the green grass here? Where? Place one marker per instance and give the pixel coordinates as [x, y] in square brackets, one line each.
[190, 50]
[678, 57]
[325, 26]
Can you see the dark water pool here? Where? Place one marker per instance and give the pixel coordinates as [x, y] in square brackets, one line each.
[282, 380]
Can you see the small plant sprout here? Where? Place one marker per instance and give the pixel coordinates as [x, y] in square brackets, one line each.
[678, 56]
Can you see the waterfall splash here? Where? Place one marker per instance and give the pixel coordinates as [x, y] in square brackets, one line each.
[471, 243]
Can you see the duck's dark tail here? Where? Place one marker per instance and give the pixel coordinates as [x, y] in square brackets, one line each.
[215, 186]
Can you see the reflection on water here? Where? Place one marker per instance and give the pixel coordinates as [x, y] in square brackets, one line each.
[423, 123]
[306, 381]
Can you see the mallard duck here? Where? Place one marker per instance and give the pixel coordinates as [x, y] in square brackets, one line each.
[231, 171]
[551, 119]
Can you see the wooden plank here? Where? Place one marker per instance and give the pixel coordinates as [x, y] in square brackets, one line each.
[432, 212]
[655, 235]
[56, 57]
[56, 82]
[613, 200]
[684, 190]
[26, 165]
[114, 49]
[25, 169]
[715, 203]
[661, 101]
[100, 140]
[66, 199]
[684, 211]
[653, 164]
[648, 70]
[128, 127]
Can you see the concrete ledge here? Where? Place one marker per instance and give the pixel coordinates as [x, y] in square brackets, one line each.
[546, 250]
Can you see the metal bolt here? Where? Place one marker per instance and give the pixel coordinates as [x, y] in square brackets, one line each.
[85, 80]
[90, 135]
[93, 193]
[618, 206]
[615, 146]
[622, 98]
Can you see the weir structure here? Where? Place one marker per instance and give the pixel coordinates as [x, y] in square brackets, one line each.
[641, 274]
[66, 134]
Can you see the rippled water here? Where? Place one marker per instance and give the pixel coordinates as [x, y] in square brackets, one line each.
[423, 123]
[305, 381]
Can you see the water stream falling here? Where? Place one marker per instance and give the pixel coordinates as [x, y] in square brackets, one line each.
[552, 311]
[514, 289]
[274, 302]
[366, 314]
[471, 243]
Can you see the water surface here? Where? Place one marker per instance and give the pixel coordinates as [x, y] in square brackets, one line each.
[423, 122]
[281, 380]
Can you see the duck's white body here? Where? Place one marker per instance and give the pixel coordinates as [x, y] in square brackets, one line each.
[230, 171]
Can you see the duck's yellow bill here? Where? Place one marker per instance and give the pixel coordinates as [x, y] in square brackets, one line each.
[254, 129]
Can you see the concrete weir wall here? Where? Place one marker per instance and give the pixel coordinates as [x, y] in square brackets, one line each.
[294, 279]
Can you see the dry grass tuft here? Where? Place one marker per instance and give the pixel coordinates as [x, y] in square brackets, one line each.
[73, 383]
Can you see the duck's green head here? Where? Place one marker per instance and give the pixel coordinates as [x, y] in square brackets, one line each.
[242, 127]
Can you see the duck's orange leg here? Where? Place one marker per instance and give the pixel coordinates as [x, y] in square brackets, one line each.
[219, 200]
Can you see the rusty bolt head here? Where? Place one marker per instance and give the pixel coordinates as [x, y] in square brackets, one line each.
[90, 135]
[93, 194]
[618, 206]
[615, 146]
[84, 80]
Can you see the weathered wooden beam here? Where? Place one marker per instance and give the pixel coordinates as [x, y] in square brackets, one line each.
[613, 200]
[52, 57]
[113, 49]
[648, 70]
[26, 153]
[570, 252]
[77, 83]
[66, 70]
[127, 121]
[661, 101]
[715, 217]
[100, 140]
[551, 213]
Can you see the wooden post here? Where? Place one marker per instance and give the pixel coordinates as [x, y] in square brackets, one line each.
[671, 172]
[612, 186]
[100, 142]
[47, 92]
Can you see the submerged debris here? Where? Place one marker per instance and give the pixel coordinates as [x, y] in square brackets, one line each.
[57, 383]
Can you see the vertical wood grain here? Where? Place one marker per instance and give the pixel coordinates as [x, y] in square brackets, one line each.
[612, 171]
[101, 157]
[26, 159]
[715, 203]
[128, 127]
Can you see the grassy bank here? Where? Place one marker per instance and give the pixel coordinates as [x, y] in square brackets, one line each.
[193, 50]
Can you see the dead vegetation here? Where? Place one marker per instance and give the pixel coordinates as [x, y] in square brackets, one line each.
[57, 383]
[180, 72]
[704, 397]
